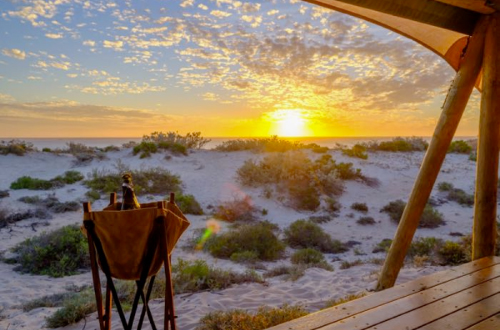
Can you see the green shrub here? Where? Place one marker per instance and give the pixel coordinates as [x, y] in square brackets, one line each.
[245, 257]
[361, 207]
[302, 180]
[460, 147]
[307, 234]
[430, 218]
[366, 221]
[59, 253]
[52, 203]
[55, 300]
[27, 182]
[316, 148]
[320, 218]
[307, 256]
[238, 319]
[399, 144]
[473, 156]
[349, 264]
[155, 180]
[310, 258]
[46, 150]
[192, 140]
[93, 195]
[6, 218]
[188, 204]
[292, 273]
[258, 238]
[175, 148]
[145, 148]
[424, 246]
[383, 246]
[69, 177]
[4, 193]
[271, 144]
[236, 210]
[358, 151]
[452, 253]
[16, 147]
[461, 197]
[74, 308]
[445, 186]
[197, 275]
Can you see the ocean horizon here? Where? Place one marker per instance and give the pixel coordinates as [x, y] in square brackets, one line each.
[99, 142]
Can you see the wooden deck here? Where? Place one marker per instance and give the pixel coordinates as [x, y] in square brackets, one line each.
[464, 297]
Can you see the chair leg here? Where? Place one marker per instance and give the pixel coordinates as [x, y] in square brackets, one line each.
[145, 307]
[109, 303]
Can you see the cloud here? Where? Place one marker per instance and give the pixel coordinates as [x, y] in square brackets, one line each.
[15, 53]
[69, 118]
[54, 35]
[116, 45]
[89, 43]
[220, 13]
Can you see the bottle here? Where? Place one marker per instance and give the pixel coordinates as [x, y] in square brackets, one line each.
[129, 200]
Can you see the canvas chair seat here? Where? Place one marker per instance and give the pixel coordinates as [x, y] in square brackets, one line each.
[133, 245]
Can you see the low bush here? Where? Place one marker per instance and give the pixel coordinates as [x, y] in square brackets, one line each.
[171, 141]
[460, 147]
[52, 204]
[349, 264]
[27, 182]
[55, 300]
[424, 246]
[452, 253]
[290, 273]
[310, 258]
[59, 253]
[7, 218]
[93, 195]
[302, 180]
[361, 207]
[257, 238]
[4, 193]
[188, 204]
[444, 186]
[16, 147]
[238, 319]
[155, 180]
[399, 144]
[83, 154]
[319, 219]
[241, 209]
[197, 275]
[357, 151]
[366, 221]
[456, 195]
[74, 308]
[383, 246]
[307, 234]
[245, 257]
[271, 144]
[430, 218]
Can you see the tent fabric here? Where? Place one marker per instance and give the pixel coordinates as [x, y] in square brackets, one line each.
[441, 26]
[124, 236]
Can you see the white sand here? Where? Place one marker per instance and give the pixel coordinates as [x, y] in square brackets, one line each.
[211, 177]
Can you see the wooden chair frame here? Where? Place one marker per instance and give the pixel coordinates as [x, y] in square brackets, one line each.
[157, 240]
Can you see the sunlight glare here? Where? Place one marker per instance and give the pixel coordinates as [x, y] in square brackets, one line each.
[289, 122]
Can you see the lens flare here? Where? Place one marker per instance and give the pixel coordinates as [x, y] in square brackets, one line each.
[213, 227]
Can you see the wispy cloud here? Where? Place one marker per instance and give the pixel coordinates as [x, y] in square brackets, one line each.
[14, 53]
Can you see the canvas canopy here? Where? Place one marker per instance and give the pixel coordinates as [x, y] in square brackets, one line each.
[442, 26]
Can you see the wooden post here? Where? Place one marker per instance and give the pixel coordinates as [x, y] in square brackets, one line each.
[485, 206]
[453, 109]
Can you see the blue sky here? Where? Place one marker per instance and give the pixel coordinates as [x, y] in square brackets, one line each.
[222, 67]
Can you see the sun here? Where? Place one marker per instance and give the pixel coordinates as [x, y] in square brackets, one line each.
[288, 122]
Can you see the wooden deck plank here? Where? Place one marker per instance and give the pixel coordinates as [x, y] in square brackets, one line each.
[334, 314]
[468, 316]
[492, 322]
[405, 305]
[443, 309]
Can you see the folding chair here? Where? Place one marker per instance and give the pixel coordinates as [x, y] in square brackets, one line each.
[133, 245]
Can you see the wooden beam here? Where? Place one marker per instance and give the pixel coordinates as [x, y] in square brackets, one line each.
[485, 209]
[424, 11]
[450, 117]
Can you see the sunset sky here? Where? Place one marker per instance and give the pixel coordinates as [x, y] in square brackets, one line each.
[76, 68]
